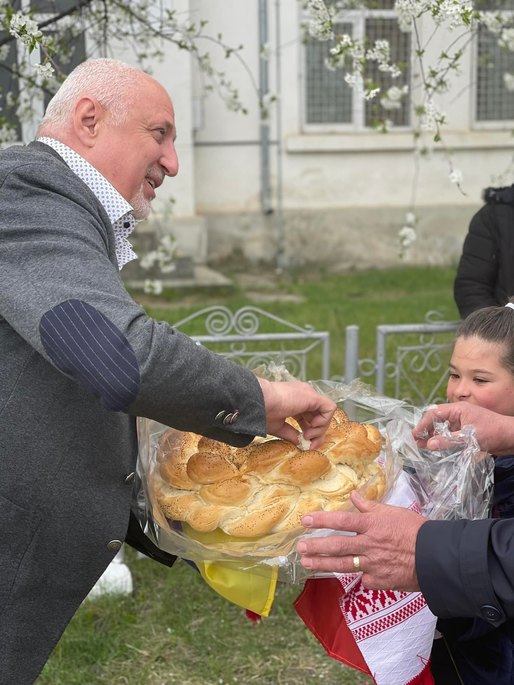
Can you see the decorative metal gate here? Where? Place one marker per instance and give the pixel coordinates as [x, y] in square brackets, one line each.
[253, 337]
[411, 361]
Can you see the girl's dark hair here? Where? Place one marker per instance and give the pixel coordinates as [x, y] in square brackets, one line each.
[494, 324]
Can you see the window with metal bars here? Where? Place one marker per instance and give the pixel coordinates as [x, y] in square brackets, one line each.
[329, 102]
[493, 101]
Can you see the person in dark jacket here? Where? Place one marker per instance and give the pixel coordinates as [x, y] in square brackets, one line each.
[485, 275]
[482, 373]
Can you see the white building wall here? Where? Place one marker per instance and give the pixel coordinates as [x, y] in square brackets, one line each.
[226, 142]
[344, 185]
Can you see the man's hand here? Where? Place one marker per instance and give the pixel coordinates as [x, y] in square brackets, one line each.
[312, 411]
[494, 432]
[384, 544]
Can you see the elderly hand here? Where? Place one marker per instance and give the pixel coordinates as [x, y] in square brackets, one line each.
[494, 432]
[383, 546]
[298, 400]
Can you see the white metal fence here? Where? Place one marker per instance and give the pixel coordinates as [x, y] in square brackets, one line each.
[411, 360]
[410, 363]
[253, 337]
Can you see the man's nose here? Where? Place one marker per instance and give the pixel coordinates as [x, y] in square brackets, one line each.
[169, 160]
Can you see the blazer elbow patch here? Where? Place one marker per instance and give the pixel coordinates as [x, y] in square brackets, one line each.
[86, 345]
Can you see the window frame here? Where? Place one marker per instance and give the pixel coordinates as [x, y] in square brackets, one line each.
[490, 124]
[358, 124]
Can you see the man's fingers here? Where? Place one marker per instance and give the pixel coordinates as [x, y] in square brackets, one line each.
[322, 418]
[335, 564]
[346, 521]
[317, 421]
[334, 546]
[362, 504]
[287, 432]
[316, 436]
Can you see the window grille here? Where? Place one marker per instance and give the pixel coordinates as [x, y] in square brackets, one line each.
[493, 102]
[329, 101]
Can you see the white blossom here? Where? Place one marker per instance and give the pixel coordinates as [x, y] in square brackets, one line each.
[407, 235]
[506, 39]
[455, 176]
[354, 80]
[370, 94]
[452, 13]
[148, 260]
[152, 287]
[493, 21]
[392, 98]
[45, 71]
[431, 116]
[11, 99]
[508, 81]
[320, 25]
[163, 256]
[407, 11]
[381, 53]
[7, 134]
[24, 28]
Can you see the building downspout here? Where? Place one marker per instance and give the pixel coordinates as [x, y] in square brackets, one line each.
[264, 134]
[266, 207]
[279, 216]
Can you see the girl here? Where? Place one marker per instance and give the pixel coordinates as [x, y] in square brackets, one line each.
[472, 651]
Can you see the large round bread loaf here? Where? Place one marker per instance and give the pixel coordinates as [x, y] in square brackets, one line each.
[268, 486]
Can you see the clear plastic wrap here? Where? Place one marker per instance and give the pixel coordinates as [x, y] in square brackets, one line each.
[455, 483]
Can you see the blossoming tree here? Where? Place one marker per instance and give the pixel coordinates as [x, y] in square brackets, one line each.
[426, 79]
[38, 47]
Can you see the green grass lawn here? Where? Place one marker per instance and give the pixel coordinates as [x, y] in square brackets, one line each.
[174, 628]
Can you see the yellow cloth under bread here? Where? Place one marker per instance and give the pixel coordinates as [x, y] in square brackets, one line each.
[254, 590]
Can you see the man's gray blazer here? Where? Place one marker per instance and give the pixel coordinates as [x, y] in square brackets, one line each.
[79, 360]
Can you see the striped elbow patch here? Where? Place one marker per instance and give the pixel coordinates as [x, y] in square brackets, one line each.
[83, 343]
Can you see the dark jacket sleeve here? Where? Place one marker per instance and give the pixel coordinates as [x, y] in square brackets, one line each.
[466, 568]
[477, 271]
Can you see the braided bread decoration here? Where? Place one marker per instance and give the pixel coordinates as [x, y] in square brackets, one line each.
[268, 486]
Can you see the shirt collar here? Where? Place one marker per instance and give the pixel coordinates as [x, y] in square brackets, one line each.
[117, 208]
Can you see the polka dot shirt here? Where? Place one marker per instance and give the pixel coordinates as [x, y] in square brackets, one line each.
[117, 208]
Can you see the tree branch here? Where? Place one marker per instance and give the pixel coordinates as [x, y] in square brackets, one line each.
[9, 38]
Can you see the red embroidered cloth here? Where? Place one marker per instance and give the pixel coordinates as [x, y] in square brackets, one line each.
[386, 634]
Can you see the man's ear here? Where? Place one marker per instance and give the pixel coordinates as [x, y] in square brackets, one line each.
[87, 118]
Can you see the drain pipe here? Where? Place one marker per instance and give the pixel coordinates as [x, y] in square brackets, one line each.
[264, 121]
[279, 215]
